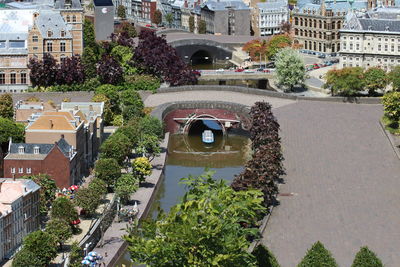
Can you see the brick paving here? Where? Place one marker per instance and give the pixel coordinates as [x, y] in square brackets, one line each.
[346, 180]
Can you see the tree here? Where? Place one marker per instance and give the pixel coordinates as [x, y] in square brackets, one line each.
[394, 78]
[38, 249]
[375, 79]
[276, 43]
[191, 23]
[124, 55]
[108, 114]
[89, 37]
[366, 258]
[60, 229]
[117, 147]
[391, 105]
[109, 70]
[131, 98]
[111, 93]
[155, 57]
[121, 12]
[71, 71]
[89, 62]
[143, 82]
[8, 129]
[6, 106]
[169, 18]
[76, 255]
[128, 28]
[205, 229]
[202, 27]
[347, 81]
[290, 68]
[152, 126]
[131, 112]
[318, 256]
[64, 209]
[286, 27]
[43, 72]
[157, 18]
[264, 257]
[257, 49]
[264, 169]
[48, 190]
[141, 168]
[88, 200]
[126, 185]
[98, 186]
[149, 146]
[107, 170]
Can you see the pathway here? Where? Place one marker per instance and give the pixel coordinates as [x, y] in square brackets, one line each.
[345, 177]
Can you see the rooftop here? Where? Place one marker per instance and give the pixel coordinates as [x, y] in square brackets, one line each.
[11, 189]
[224, 5]
[54, 120]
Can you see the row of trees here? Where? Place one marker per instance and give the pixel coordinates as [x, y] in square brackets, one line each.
[261, 49]
[351, 81]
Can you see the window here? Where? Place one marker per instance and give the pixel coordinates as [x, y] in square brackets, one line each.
[351, 46]
[62, 59]
[62, 46]
[73, 18]
[49, 34]
[2, 78]
[379, 47]
[28, 170]
[21, 150]
[49, 47]
[68, 19]
[17, 44]
[13, 78]
[35, 39]
[392, 48]
[386, 48]
[357, 46]
[20, 170]
[2, 44]
[12, 170]
[23, 78]
[36, 150]
[62, 33]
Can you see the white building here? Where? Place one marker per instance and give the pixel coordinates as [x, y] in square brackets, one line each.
[371, 39]
[271, 16]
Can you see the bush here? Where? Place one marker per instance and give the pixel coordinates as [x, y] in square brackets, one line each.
[117, 147]
[87, 199]
[318, 256]
[108, 170]
[76, 255]
[132, 112]
[264, 257]
[126, 185]
[143, 82]
[64, 209]
[391, 105]
[152, 126]
[366, 258]
[98, 186]
[141, 167]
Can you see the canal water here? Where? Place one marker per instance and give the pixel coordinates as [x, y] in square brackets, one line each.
[188, 155]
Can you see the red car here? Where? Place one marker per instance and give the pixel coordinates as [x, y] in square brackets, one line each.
[266, 71]
[196, 72]
[239, 70]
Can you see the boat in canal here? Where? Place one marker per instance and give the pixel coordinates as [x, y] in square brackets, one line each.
[207, 137]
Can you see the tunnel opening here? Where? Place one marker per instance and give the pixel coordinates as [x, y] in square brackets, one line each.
[201, 57]
[199, 126]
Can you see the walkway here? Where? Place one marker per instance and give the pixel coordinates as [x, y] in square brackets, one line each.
[346, 181]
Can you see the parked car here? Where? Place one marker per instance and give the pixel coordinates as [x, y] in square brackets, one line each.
[239, 70]
[336, 60]
[196, 72]
[220, 70]
[316, 66]
[321, 56]
[266, 71]
[249, 71]
[270, 65]
[260, 69]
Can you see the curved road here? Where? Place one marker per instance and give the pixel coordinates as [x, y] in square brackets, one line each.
[342, 170]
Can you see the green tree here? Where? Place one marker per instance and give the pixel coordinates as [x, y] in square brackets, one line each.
[127, 28]
[6, 106]
[111, 92]
[347, 81]
[121, 12]
[191, 23]
[89, 37]
[108, 170]
[202, 27]
[124, 55]
[131, 98]
[366, 258]
[98, 186]
[64, 209]
[48, 190]
[89, 61]
[375, 79]
[8, 129]
[117, 146]
[88, 200]
[38, 249]
[132, 112]
[152, 126]
[276, 43]
[318, 256]
[143, 82]
[391, 105]
[60, 229]
[108, 114]
[149, 146]
[76, 255]
[141, 168]
[290, 68]
[169, 18]
[394, 78]
[157, 18]
[264, 257]
[203, 230]
[131, 129]
[126, 185]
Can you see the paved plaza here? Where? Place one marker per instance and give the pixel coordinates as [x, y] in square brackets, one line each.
[342, 170]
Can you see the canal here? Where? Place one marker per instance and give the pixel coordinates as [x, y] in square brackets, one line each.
[188, 155]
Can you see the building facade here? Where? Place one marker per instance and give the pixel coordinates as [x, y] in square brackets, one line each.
[316, 25]
[371, 40]
[103, 19]
[58, 160]
[19, 213]
[226, 17]
[271, 16]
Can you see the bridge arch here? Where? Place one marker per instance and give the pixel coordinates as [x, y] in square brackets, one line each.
[199, 119]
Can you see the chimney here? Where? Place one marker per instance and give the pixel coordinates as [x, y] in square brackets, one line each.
[76, 108]
[62, 136]
[13, 176]
[91, 107]
[1, 183]
[186, 5]
[51, 124]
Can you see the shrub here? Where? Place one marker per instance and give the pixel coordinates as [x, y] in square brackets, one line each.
[366, 258]
[318, 256]
[391, 105]
[109, 70]
[143, 82]
[152, 126]
[76, 255]
[126, 185]
[98, 186]
[264, 257]
[108, 170]
[117, 147]
[118, 120]
[64, 209]
[141, 167]
[132, 112]
[87, 199]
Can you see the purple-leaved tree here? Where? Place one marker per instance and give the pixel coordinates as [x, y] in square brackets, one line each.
[109, 70]
[43, 72]
[71, 71]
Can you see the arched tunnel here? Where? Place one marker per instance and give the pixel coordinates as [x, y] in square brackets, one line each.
[198, 126]
[201, 57]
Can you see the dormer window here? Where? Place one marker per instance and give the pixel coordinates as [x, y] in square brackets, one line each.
[49, 33]
[62, 33]
[36, 150]
[21, 150]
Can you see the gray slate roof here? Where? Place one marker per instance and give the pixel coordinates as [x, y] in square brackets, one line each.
[223, 5]
[60, 4]
[44, 149]
[273, 5]
[380, 25]
[52, 21]
[338, 6]
[384, 13]
[103, 3]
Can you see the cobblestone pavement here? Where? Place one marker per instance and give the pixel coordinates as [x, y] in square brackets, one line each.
[345, 178]
[241, 98]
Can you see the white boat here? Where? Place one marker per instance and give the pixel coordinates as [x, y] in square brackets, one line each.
[207, 137]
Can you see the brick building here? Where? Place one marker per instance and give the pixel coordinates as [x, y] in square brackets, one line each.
[19, 213]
